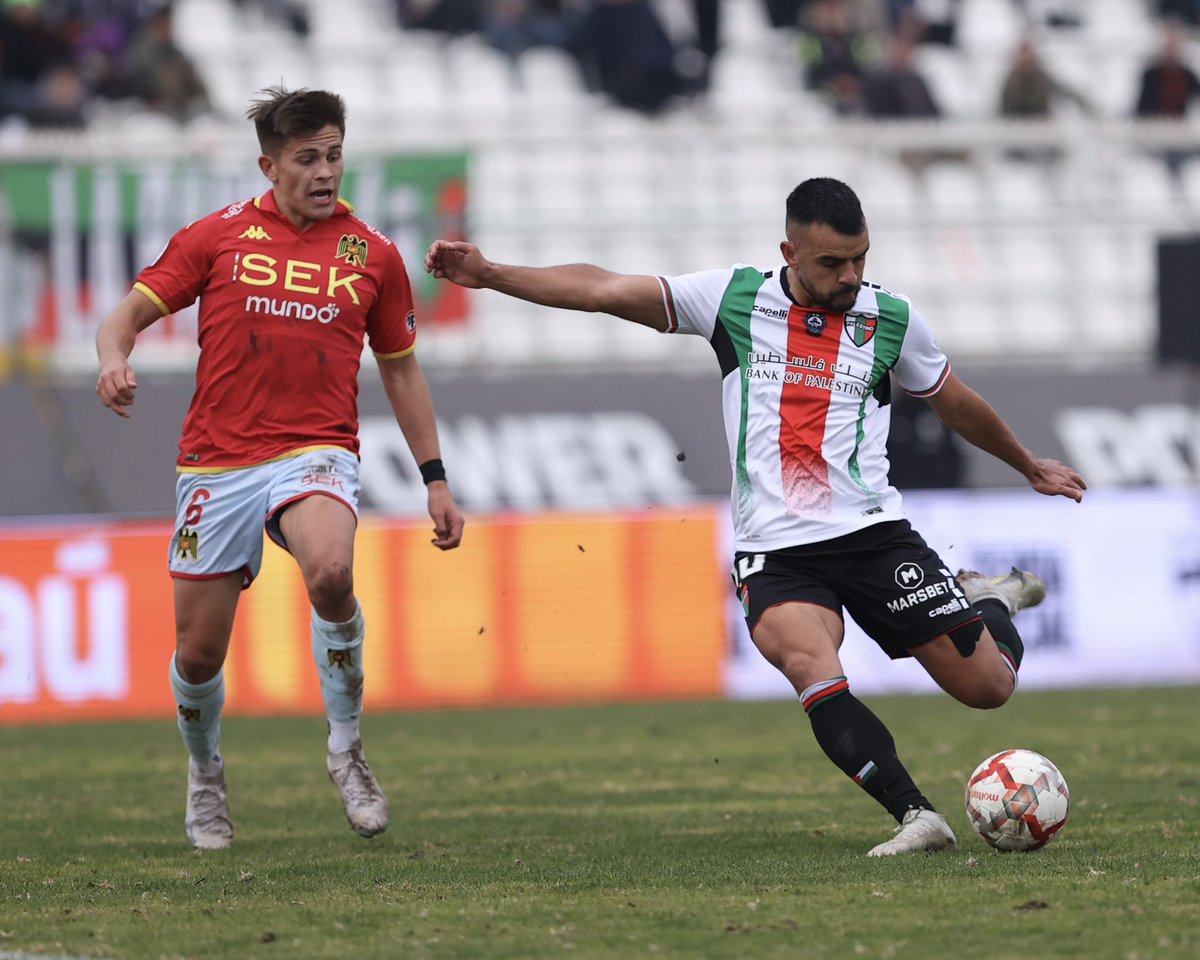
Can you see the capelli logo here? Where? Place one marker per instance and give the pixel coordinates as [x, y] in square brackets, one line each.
[777, 312]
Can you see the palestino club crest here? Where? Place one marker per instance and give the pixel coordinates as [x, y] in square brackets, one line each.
[860, 328]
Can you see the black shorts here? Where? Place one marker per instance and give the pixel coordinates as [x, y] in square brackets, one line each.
[885, 576]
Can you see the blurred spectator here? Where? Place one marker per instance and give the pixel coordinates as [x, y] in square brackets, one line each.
[1168, 87]
[1168, 83]
[100, 45]
[837, 51]
[290, 13]
[39, 82]
[61, 100]
[707, 14]
[900, 13]
[931, 21]
[1029, 92]
[1058, 14]
[896, 90]
[513, 26]
[1185, 11]
[98, 32]
[783, 13]
[160, 74]
[454, 17]
[627, 54]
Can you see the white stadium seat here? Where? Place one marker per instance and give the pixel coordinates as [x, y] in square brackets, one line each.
[953, 189]
[482, 84]
[1018, 190]
[986, 27]
[886, 187]
[551, 82]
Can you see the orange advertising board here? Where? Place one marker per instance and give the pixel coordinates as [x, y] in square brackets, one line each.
[555, 608]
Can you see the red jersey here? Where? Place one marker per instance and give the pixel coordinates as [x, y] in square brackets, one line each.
[283, 316]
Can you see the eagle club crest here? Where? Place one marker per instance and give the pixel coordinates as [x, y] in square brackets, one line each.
[187, 544]
[352, 249]
[860, 329]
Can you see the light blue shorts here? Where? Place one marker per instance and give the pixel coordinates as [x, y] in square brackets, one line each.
[220, 517]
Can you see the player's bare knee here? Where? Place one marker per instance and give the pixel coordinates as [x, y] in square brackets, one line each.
[989, 691]
[330, 585]
[196, 665]
[987, 682]
[801, 668]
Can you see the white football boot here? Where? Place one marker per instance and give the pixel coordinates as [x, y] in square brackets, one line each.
[920, 830]
[207, 818]
[364, 800]
[1016, 589]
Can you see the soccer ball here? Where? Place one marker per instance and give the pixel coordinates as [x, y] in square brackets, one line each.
[1017, 800]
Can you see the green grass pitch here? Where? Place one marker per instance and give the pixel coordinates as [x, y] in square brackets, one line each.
[686, 830]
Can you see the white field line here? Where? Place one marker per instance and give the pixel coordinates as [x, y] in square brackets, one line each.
[14, 955]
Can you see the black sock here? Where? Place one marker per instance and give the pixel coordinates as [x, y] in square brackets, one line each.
[1000, 626]
[862, 748]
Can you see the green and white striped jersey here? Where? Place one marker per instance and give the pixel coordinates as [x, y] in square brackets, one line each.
[806, 395]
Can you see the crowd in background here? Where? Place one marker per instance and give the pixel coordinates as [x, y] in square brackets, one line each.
[858, 54]
[58, 57]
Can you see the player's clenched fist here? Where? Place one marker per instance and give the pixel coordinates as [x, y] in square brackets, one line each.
[116, 387]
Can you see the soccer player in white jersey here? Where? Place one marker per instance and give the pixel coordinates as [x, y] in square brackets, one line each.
[807, 353]
[290, 284]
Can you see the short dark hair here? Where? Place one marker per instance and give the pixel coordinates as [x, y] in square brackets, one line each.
[282, 115]
[828, 201]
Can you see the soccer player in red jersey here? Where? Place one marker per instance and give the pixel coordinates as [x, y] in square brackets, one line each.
[289, 284]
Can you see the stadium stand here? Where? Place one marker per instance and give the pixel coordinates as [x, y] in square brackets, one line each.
[1033, 260]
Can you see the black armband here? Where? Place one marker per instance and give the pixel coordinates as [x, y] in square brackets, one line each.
[432, 470]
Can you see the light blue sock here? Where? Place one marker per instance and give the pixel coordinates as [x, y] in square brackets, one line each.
[337, 651]
[199, 707]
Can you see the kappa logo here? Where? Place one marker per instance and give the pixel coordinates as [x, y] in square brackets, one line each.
[255, 232]
[909, 576]
[352, 249]
[860, 328]
[814, 324]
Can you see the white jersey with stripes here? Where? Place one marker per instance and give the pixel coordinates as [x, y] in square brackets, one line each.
[806, 397]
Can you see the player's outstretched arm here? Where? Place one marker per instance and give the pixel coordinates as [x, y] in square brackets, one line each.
[408, 393]
[572, 286]
[114, 343]
[972, 418]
